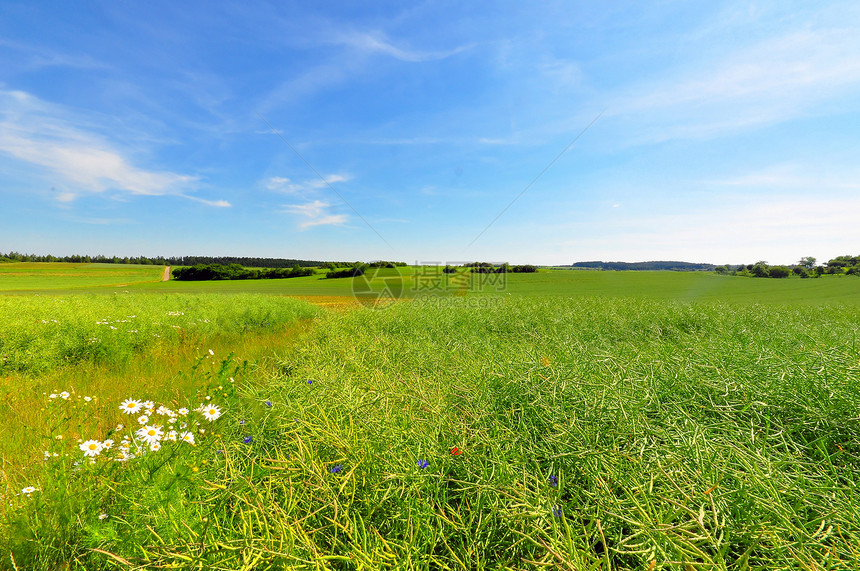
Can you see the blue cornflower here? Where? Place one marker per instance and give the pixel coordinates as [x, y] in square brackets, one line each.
[336, 468]
[423, 464]
[269, 403]
[242, 421]
[248, 439]
[553, 481]
[310, 381]
[556, 511]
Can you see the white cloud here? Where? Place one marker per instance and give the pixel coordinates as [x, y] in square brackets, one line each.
[773, 80]
[217, 203]
[276, 183]
[317, 213]
[88, 167]
[82, 161]
[378, 43]
[345, 66]
[31, 56]
[287, 186]
[792, 177]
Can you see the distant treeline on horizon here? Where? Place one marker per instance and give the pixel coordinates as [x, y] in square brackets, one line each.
[169, 261]
[659, 265]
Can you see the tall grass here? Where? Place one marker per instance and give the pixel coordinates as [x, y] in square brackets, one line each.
[41, 333]
[587, 434]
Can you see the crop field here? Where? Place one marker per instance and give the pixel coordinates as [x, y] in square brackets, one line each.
[418, 281]
[575, 420]
[36, 276]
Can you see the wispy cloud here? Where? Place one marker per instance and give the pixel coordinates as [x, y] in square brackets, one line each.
[792, 177]
[82, 161]
[313, 210]
[360, 49]
[217, 203]
[287, 186]
[773, 80]
[317, 213]
[32, 56]
[378, 43]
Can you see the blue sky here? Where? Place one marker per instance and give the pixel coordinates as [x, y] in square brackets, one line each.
[726, 132]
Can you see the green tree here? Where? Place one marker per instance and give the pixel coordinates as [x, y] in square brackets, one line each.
[808, 262]
[778, 272]
[760, 270]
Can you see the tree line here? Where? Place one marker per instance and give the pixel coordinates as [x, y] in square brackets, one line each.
[167, 261]
[643, 266]
[488, 268]
[205, 272]
[806, 267]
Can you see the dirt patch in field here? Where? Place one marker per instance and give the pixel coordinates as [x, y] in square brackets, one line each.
[336, 302]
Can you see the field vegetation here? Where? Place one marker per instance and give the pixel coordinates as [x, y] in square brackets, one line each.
[52, 277]
[612, 428]
[203, 272]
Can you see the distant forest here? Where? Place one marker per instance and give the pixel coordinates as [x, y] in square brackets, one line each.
[168, 261]
[674, 266]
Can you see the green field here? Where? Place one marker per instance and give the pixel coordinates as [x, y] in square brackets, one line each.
[575, 420]
[684, 286]
[42, 276]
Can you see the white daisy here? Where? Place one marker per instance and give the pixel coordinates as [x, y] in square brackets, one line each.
[53, 396]
[211, 412]
[148, 404]
[118, 428]
[183, 411]
[28, 490]
[150, 434]
[142, 419]
[187, 437]
[171, 435]
[64, 395]
[130, 406]
[211, 352]
[103, 516]
[91, 447]
[155, 446]
[107, 444]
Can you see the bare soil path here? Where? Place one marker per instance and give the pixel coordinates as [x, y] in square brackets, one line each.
[166, 274]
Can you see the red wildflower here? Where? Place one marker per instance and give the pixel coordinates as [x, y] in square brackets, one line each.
[456, 451]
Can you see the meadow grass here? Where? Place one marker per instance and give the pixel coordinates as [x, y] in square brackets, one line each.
[574, 433]
[39, 276]
[40, 333]
[684, 286]
[99, 347]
